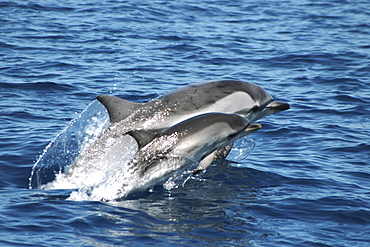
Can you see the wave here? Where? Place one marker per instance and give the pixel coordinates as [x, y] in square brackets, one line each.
[37, 86]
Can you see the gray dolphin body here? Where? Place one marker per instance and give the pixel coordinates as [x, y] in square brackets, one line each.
[225, 96]
[177, 147]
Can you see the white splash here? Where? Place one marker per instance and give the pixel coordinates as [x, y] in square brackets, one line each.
[86, 175]
[67, 145]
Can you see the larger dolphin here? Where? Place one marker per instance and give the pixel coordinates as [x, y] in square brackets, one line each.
[225, 96]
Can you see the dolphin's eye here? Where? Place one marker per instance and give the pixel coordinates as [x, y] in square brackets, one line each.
[255, 108]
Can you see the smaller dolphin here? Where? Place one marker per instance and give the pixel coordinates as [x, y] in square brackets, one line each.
[178, 147]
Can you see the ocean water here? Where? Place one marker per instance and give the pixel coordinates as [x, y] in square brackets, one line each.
[307, 180]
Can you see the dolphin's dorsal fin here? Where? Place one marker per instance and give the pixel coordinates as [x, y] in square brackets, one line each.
[117, 108]
[142, 137]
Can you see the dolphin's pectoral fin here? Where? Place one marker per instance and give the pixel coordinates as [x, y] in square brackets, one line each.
[205, 163]
[223, 153]
[142, 137]
[117, 108]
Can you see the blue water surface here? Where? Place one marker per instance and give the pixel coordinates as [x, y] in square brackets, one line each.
[307, 181]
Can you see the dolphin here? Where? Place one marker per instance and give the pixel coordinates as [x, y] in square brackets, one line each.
[175, 149]
[154, 158]
[225, 96]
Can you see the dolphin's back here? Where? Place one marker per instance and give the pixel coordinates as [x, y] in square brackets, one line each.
[228, 96]
[203, 95]
[193, 125]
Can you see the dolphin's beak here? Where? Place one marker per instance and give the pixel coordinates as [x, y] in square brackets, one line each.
[271, 108]
[250, 129]
[253, 127]
[277, 106]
